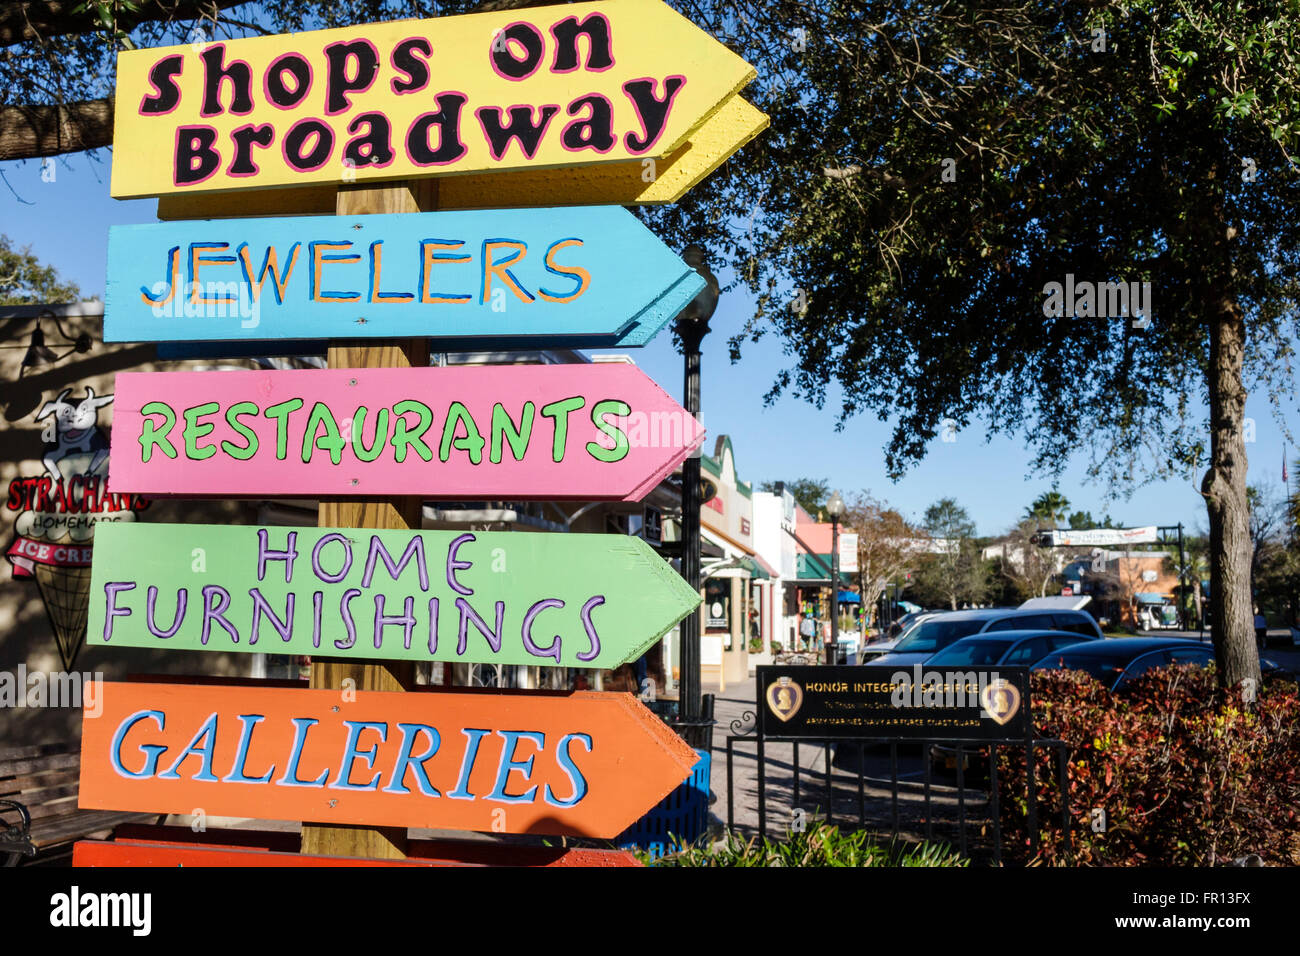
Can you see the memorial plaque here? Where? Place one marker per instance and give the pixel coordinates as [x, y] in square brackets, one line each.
[972, 703]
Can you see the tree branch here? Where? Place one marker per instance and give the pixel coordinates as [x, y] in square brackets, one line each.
[39, 19]
[27, 132]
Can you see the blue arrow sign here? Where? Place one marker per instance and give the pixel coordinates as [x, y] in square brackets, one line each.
[584, 277]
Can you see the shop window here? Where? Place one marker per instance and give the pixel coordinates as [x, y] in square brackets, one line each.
[717, 606]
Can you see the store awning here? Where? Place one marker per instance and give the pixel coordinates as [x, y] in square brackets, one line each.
[1149, 597]
[849, 597]
[757, 567]
[811, 568]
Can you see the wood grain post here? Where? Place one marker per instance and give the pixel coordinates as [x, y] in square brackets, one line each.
[373, 842]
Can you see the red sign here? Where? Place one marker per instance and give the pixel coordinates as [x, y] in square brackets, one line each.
[91, 853]
[23, 552]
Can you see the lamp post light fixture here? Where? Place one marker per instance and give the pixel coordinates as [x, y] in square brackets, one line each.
[834, 508]
[692, 325]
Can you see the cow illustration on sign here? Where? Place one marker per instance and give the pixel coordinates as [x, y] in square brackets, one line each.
[56, 512]
[75, 428]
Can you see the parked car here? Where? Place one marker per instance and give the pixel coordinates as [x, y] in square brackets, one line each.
[1012, 648]
[907, 620]
[1120, 661]
[884, 646]
[930, 636]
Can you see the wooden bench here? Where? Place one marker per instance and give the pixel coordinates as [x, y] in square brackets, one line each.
[39, 817]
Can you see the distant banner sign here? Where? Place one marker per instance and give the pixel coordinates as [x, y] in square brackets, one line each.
[593, 432]
[849, 553]
[972, 703]
[543, 88]
[558, 600]
[588, 276]
[1101, 537]
[583, 764]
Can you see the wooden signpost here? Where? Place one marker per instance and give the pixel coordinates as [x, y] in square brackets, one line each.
[593, 432]
[549, 87]
[583, 277]
[378, 126]
[399, 512]
[569, 600]
[581, 764]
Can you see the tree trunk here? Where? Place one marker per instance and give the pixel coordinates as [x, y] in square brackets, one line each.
[862, 595]
[1224, 489]
[1196, 596]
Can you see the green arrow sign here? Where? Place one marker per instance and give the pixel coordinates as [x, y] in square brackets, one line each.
[557, 600]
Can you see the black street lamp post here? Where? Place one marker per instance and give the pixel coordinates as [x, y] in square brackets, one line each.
[835, 508]
[692, 326]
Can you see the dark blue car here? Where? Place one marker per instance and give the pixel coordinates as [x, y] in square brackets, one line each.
[1119, 661]
[1013, 648]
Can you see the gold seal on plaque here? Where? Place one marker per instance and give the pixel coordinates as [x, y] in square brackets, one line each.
[784, 697]
[1001, 700]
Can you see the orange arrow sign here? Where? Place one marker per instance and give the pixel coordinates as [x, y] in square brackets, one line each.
[582, 763]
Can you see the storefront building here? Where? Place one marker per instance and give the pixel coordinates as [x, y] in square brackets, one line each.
[729, 619]
[774, 524]
[1137, 589]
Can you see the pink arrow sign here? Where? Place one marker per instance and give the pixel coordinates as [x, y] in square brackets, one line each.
[590, 432]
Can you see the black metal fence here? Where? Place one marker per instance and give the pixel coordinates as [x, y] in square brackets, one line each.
[697, 733]
[964, 753]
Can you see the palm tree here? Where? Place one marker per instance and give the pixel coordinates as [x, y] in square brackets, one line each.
[1049, 509]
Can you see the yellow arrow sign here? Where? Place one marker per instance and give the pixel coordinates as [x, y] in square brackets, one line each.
[622, 83]
[637, 182]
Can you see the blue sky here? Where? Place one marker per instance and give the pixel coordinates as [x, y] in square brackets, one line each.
[66, 223]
